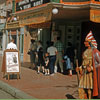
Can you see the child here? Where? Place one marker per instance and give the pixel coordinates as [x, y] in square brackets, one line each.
[47, 72]
[40, 60]
[68, 64]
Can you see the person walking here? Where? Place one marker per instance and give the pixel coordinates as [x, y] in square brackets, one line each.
[52, 54]
[39, 45]
[68, 64]
[32, 53]
[47, 71]
[40, 60]
[59, 57]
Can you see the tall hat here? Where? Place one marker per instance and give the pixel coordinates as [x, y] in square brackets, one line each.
[90, 38]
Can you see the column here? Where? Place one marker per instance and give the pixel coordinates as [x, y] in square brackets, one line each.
[17, 37]
[4, 41]
[6, 37]
[10, 35]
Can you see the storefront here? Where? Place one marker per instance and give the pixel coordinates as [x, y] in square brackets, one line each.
[43, 20]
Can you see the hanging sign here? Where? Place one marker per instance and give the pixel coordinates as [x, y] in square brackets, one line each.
[95, 15]
[25, 4]
[35, 18]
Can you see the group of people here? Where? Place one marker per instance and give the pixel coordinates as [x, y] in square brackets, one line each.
[50, 59]
[88, 73]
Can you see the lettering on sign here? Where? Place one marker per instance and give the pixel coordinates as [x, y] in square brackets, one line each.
[12, 25]
[35, 18]
[25, 4]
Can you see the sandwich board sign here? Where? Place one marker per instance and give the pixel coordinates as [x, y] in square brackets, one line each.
[12, 62]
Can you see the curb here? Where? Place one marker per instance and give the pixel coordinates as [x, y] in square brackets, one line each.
[14, 92]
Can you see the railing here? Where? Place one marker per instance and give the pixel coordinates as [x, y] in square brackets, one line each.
[75, 0]
[79, 2]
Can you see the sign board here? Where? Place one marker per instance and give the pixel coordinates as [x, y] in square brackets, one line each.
[35, 18]
[11, 25]
[11, 62]
[25, 4]
[95, 15]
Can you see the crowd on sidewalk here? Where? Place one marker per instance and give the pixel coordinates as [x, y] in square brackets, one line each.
[88, 72]
[52, 58]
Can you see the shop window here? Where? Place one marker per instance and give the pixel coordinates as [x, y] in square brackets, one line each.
[69, 30]
[78, 30]
[69, 37]
[78, 37]
[69, 44]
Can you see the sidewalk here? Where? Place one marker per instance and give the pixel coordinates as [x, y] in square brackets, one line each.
[33, 85]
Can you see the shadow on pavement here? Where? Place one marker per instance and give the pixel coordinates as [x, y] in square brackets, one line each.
[11, 77]
[69, 96]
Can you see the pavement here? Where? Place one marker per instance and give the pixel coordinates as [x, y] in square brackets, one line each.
[38, 86]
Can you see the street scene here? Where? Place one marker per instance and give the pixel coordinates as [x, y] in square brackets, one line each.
[50, 49]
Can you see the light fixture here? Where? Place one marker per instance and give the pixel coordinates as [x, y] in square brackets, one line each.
[40, 29]
[54, 10]
[15, 19]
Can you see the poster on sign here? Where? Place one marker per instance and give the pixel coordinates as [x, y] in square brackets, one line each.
[12, 62]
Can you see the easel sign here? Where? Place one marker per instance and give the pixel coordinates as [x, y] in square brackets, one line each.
[12, 62]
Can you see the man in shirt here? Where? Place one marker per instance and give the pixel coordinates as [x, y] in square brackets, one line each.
[59, 56]
[52, 53]
[11, 45]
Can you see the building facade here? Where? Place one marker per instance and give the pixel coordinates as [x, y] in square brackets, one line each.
[46, 19]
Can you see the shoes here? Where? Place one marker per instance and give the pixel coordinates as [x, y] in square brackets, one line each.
[48, 73]
[30, 68]
[45, 73]
[61, 71]
[70, 74]
[52, 74]
[38, 72]
[55, 69]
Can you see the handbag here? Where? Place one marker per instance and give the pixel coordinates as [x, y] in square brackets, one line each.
[28, 53]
